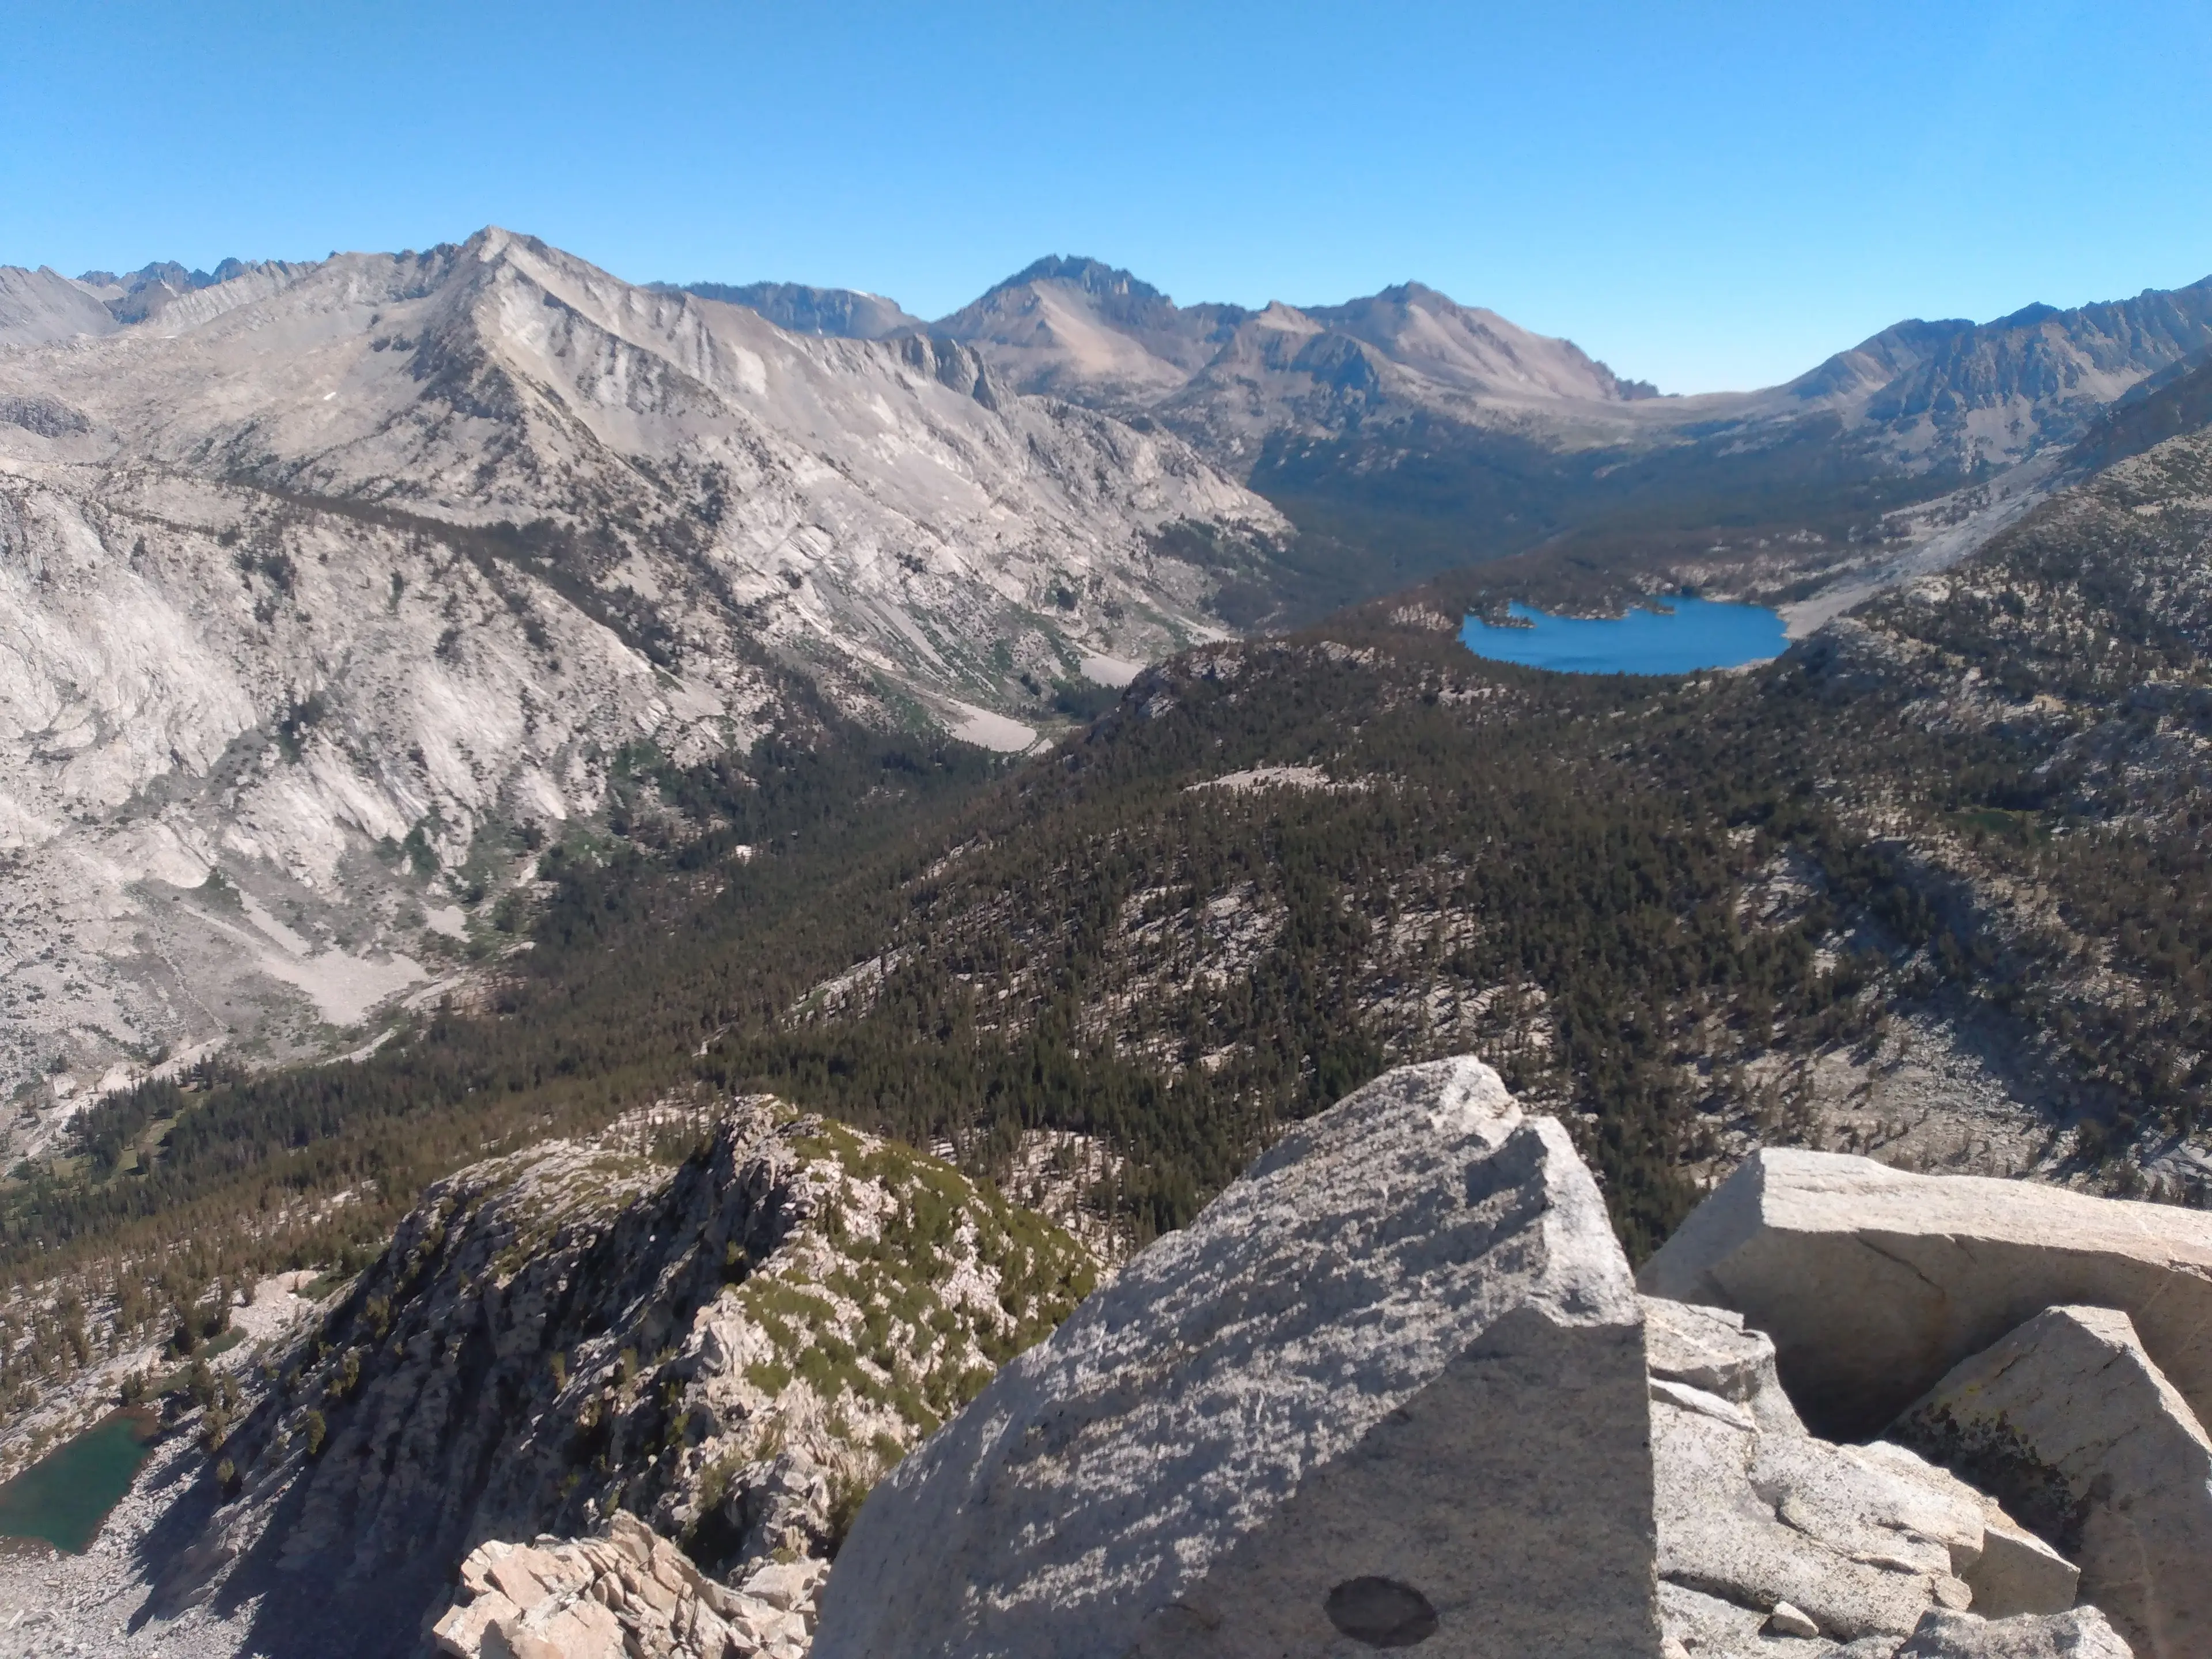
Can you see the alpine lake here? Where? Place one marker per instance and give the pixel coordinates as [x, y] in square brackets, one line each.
[62, 1499]
[1690, 635]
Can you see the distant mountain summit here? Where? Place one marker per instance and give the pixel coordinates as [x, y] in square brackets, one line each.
[39, 306]
[1091, 276]
[1966, 394]
[1079, 329]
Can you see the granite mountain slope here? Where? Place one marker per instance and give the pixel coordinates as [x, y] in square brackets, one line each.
[404, 552]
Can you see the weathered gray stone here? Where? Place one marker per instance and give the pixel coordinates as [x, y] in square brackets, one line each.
[2081, 1634]
[2017, 1572]
[1388, 1387]
[1701, 1626]
[1708, 1349]
[1873, 1282]
[1861, 1541]
[2070, 1423]
[1758, 1519]
[1788, 1620]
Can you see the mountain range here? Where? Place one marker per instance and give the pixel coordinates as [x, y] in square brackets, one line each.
[1406, 433]
[566, 847]
[351, 585]
[326, 572]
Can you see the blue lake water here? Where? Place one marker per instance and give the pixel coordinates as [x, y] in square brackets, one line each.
[1695, 634]
[65, 1495]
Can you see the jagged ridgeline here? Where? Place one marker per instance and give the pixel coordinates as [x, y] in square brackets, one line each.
[730, 1321]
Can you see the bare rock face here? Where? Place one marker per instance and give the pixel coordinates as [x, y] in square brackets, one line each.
[2082, 1634]
[2016, 1572]
[2070, 1421]
[1765, 1530]
[631, 1595]
[728, 1345]
[1874, 1283]
[1387, 1390]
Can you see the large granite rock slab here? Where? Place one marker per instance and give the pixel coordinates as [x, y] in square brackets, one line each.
[2069, 1422]
[1874, 1283]
[1388, 1390]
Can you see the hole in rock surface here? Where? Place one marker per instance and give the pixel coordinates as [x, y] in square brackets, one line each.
[1381, 1612]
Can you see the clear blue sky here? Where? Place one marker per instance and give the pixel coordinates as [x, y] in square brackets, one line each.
[1708, 195]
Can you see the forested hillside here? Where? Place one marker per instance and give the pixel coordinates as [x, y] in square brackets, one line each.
[1933, 883]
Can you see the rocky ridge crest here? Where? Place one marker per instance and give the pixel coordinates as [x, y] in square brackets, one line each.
[732, 1349]
[1367, 1400]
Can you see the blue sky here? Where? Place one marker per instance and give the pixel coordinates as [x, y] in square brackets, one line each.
[1704, 195]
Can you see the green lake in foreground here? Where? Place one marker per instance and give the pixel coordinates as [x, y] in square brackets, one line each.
[65, 1495]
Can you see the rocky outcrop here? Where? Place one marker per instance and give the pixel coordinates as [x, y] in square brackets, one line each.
[1388, 1389]
[631, 1595]
[731, 1348]
[2070, 1422]
[1764, 1529]
[1873, 1282]
[2081, 1634]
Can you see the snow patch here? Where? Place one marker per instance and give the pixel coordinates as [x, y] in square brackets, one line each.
[993, 731]
[1110, 670]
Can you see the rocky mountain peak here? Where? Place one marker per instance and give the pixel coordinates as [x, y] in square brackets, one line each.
[1093, 277]
[1469, 351]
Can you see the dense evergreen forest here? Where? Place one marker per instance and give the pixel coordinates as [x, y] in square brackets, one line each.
[1271, 869]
